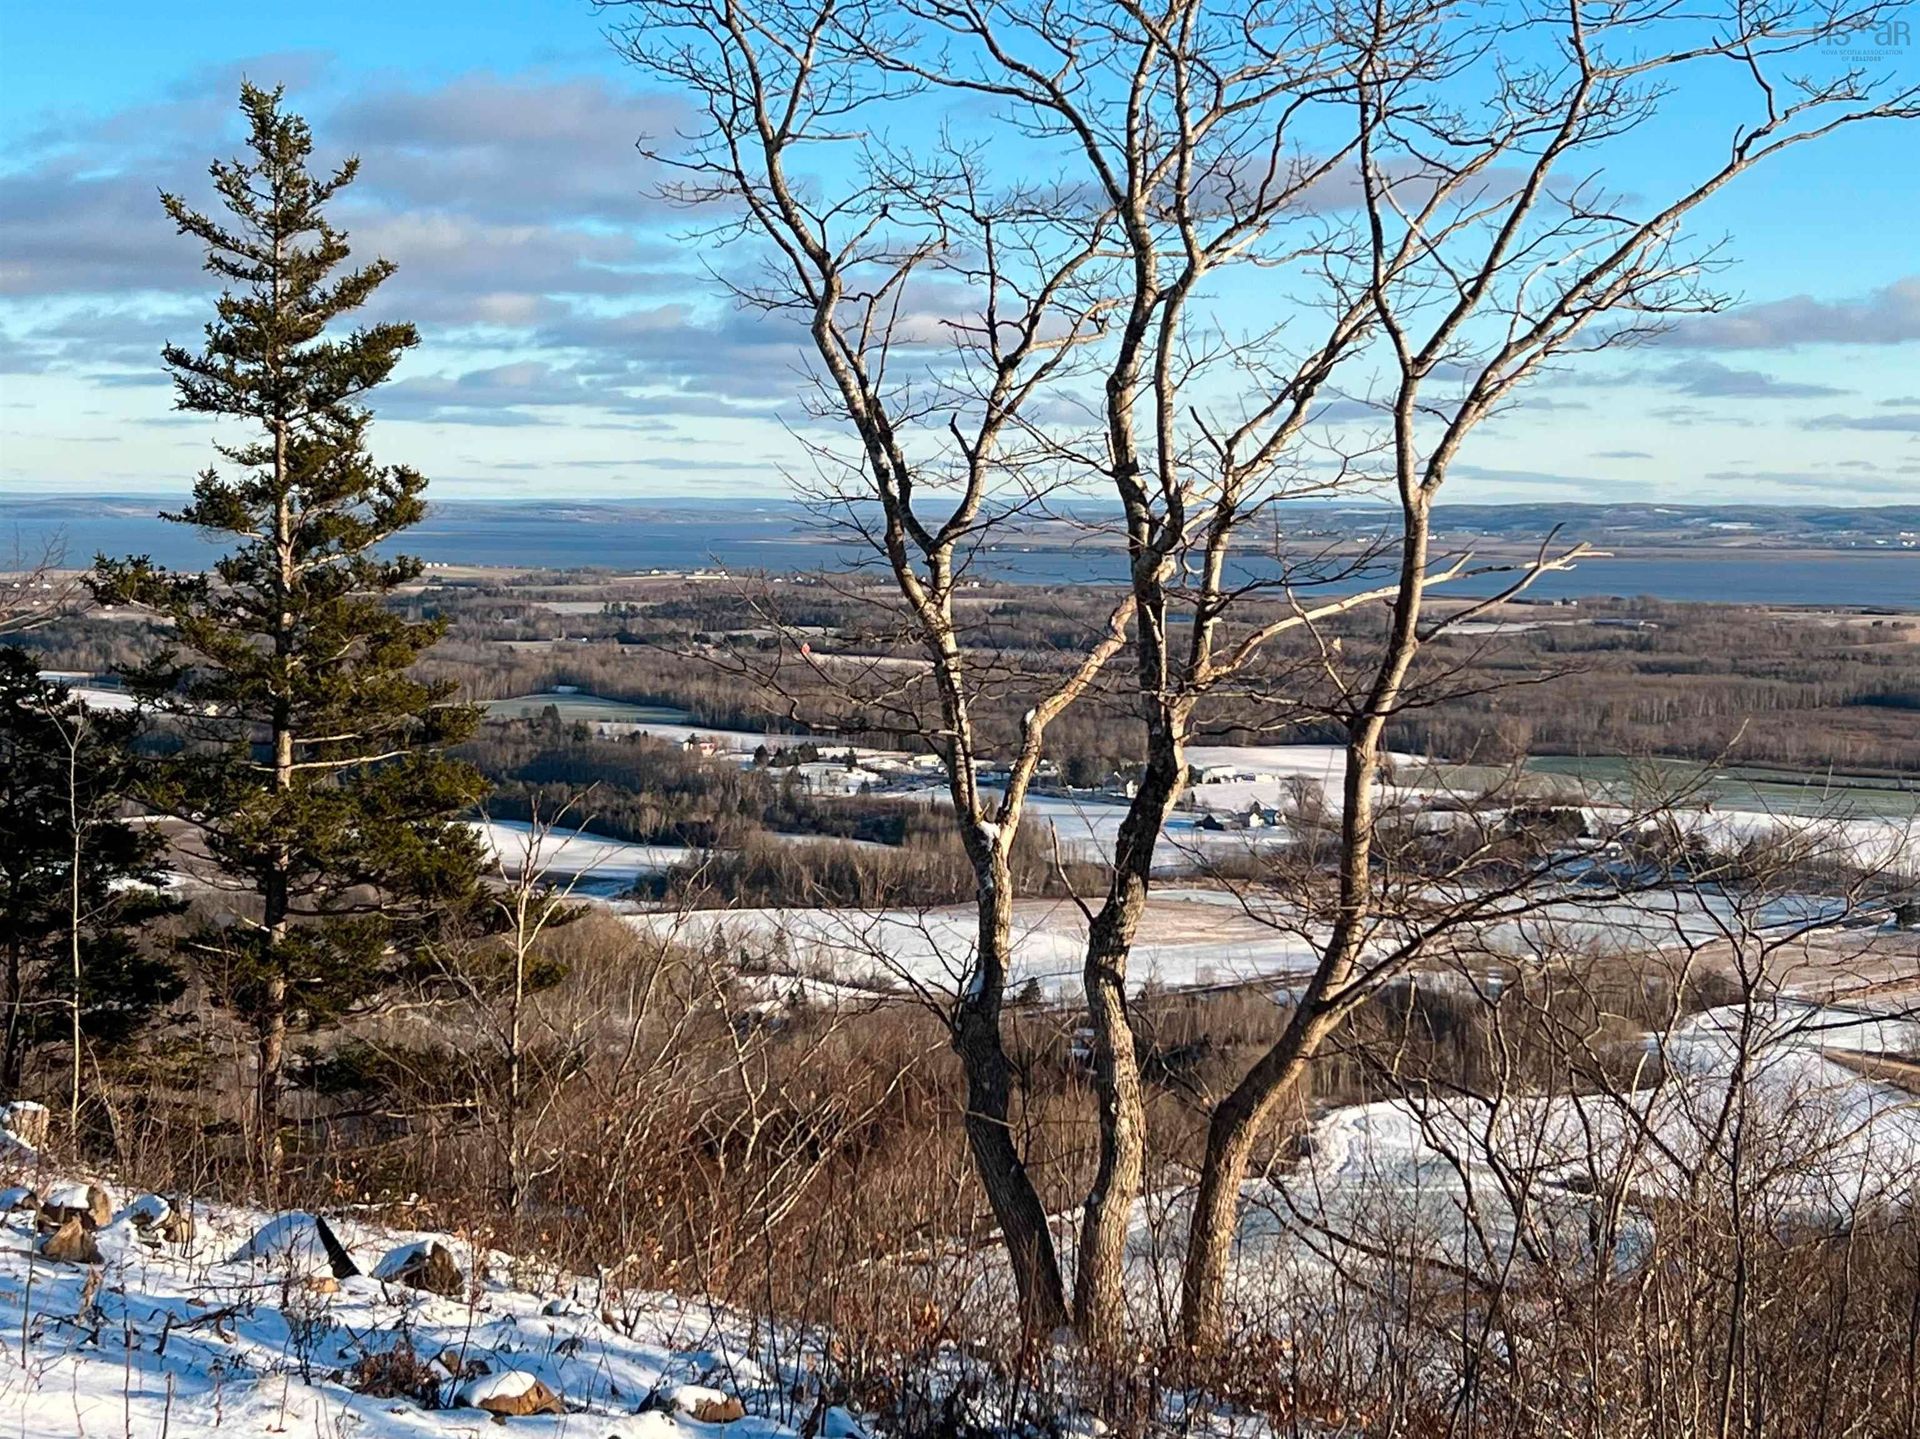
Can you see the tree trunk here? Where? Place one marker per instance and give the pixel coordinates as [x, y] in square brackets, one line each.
[1107, 1216]
[1240, 1117]
[989, 1073]
[273, 1055]
[1231, 1135]
[516, 1158]
[12, 1052]
[273, 1016]
[74, 854]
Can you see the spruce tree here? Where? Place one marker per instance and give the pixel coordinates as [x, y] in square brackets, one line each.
[313, 760]
[77, 882]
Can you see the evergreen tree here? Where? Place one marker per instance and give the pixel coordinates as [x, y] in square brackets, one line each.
[77, 882]
[312, 760]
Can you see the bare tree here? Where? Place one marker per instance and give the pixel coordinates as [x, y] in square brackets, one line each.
[528, 901]
[1195, 124]
[1488, 255]
[940, 406]
[1403, 185]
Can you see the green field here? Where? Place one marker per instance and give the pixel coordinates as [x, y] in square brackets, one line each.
[1740, 787]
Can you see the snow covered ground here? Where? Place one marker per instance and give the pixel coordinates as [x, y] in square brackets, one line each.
[231, 1336]
[1463, 1179]
[597, 865]
[1195, 938]
[1189, 938]
[1887, 844]
[1271, 771]
[1274, 776]
[1088, 828]
[95, 697]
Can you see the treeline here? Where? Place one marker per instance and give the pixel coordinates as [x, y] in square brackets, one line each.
[1628, 678]
[766, 840]
[1697, 682]
[926, 866]
[648, 791]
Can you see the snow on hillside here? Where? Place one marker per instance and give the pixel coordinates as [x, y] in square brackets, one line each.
[208, 1339]
[1460, 1177]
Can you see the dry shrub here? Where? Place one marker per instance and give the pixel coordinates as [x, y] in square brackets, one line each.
[397, 1372]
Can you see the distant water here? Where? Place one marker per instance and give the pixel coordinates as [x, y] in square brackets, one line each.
[684, 535]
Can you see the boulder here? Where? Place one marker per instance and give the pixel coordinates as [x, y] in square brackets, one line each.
[427, 1265]
[471, 1367]
[298, 1243]
[177, 1228]
[708, 1406]
[160, 1221]
[511, 1394]
[72, 1243]
[146, 1215]
[89, 1203]
[147, 1211]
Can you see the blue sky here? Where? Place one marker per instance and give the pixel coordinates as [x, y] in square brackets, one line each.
[574, 345]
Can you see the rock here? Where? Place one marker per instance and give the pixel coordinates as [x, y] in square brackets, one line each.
[840, 1423]
[27, 1122]
[298, 1243]
[158, 1221]
[426, 1265]
[709, 1406]
[513, 1393]
[177, 1228]
[72, 1243]
[471, 1367]
[89, 1203]
[147, 1211]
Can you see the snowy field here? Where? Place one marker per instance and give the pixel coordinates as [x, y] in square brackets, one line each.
[1202, 939]
[592, 863]
[1274, 777]
[1887, 844]
[1189, 938]
[96, 698]
[1089, 828]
